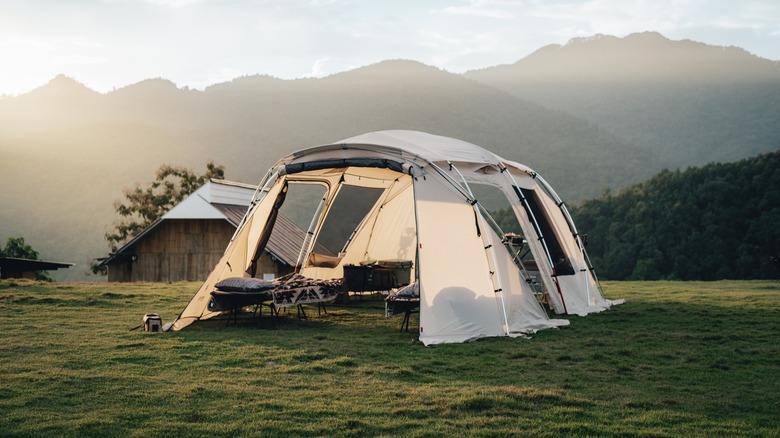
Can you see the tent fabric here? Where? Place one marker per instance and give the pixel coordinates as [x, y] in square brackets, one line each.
[470, 286]
[457, 300]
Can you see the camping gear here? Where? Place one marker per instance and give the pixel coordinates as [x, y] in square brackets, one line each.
[406, 300]
[406, 195]
[152, 322]
[381, 276]
[401, 270]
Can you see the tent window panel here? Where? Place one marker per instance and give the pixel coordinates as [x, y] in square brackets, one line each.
[301, 203]
[497, 205]
[346, 213]
[560, 260]
[284, 234]
[504, 221]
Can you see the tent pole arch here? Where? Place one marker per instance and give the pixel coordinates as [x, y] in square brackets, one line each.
[262, 189]
[524, 201]
[565, 211]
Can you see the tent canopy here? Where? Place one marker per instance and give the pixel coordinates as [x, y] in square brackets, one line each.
[408, 195]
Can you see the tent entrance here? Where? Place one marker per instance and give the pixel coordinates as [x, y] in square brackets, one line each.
[497, 208]
[347, 212]
[359, 215]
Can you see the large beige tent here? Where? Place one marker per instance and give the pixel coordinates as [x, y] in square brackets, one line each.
[407, 195]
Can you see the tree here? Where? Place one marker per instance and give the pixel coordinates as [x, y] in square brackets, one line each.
[16, 247]
[143, 206]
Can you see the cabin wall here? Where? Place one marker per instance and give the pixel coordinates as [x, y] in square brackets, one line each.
[176, 250]
[183, 250]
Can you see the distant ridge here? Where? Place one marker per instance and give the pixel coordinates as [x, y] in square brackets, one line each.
[62, 86]
[690, 102]
[647, 56]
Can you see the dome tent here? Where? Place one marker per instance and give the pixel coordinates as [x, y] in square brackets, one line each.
[418, 205]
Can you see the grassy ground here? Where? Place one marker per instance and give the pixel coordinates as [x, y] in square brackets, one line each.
[677, 359]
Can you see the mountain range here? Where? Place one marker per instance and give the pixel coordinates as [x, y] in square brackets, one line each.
[593, 115]
[690, 103]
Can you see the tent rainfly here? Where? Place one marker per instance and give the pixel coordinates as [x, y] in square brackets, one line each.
[408, 195]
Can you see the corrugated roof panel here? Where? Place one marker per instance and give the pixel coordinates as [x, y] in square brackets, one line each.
[231, 193]
[233, 213]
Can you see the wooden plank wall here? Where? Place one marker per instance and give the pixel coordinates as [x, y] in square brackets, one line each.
[183, 250]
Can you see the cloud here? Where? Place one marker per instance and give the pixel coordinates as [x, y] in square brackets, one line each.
[78, 60]
[173, 3]
[24, 42]
[480, 8]
[318, 69]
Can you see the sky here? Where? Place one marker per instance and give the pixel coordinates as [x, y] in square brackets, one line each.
[109, 44]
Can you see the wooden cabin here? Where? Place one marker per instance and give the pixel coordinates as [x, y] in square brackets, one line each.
[187, 242]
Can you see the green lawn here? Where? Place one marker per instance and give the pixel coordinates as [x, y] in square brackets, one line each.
[679, 358]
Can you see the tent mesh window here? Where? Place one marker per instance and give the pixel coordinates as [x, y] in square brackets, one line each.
[561, 262]
[351, 206]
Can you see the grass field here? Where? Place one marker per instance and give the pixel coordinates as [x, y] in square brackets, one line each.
[679, 358]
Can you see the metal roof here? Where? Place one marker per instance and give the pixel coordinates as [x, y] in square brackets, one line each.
[284, 244]
[286, 241]
[233, 213]
[13, 264]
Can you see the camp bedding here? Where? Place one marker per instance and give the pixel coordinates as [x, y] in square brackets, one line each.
[294, 289]
[230, 300]
[240, 284]
[404, 300]
[395, 305]
[290, 290]
[237, 292]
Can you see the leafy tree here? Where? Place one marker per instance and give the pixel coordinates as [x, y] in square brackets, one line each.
[16, 247]
[143, 206]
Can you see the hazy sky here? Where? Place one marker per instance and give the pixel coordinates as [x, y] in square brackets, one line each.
[114, 43]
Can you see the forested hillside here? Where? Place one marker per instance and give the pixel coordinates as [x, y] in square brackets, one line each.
[720, 221]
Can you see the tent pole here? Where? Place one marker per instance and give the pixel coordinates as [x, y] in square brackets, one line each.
[495, 277]
[538, 230]
[309, 233]
[558, 201]
[262, 189]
